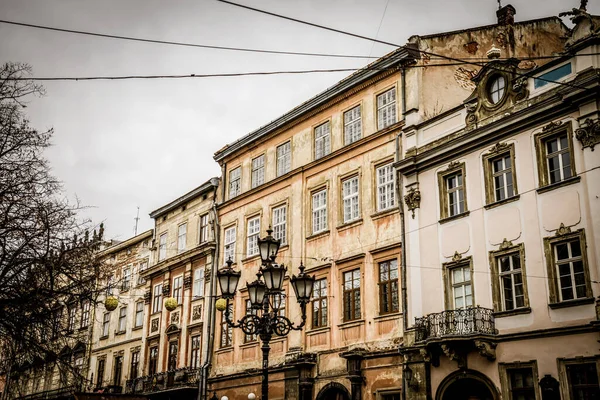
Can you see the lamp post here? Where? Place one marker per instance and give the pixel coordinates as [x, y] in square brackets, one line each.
[266, 298]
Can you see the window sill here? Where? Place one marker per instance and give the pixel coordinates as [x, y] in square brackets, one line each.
[246, 345]
[502, 202]
[119, 333]
[385, 317]
[318, 330]
[510, 313]
[103, 337]
[571, 303]
[552, 186]
[318, 235]
[283, 247]
[350, 224]
[224, 349]
[251, 258]
[385, 213]
[351, 324]
[452, 218]
[83, 328]
[196, 298]
[137, 328]
[156, 313]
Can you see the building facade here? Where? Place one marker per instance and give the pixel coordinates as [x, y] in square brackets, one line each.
[117, 350]
[502, 244]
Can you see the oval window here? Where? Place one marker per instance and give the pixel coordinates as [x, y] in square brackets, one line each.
[496, 89]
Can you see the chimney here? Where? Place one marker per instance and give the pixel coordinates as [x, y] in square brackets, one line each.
[506, 15]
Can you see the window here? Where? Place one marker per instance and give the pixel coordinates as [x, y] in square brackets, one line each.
[195, 356]
[553, 75]
[230, 244]
[567, 266]
[319, 304]
[198, 288]
[521, 384]
[352, 295]
[253, 231]
[126, 280]
[319, 211]
[284, 158]
[555, 154]
[386, 109]
[279, 222]
[509, 285]
[496, 89]
[250, 311]
[235, 182]
[583, 381]
[162, 247]
[71, 320]
[322, 140]
[122, 319]
[181, 237]
[105, 324]
[85, 314]
[203, 234]
[500, 174]
[157, 298]
[226, 330]
[139, 314]
[388, 287]
[118, 370]
[56, 323]
[350, 199]
[386, 193]
[352, 125]
[279, 304]
[258, 171]
[143, 267]
[135, 364]
[178, 289]
[153, 362]
[461, 289]
[452, 191]
[100, 372]
[390, 396]
[172, 360]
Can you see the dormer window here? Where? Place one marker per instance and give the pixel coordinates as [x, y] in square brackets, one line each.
[496, 89]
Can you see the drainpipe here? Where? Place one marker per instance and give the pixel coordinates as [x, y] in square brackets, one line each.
[202, 384]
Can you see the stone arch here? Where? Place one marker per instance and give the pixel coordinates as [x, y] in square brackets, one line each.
[333, 391]
[466, 385]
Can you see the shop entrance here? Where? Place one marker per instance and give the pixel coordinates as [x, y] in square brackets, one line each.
[466, 385]
[334, 391]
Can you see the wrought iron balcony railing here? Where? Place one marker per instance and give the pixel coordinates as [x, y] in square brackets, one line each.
[181, 377]
[52, 394]
[455, 323]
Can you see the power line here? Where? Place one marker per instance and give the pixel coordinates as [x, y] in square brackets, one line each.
[183, 44]
[409, 49]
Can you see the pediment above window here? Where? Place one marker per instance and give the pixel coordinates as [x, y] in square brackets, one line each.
[499, 85]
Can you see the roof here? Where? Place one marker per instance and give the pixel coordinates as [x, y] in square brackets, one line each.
[205, 187]
[128, 242]
[345, 84]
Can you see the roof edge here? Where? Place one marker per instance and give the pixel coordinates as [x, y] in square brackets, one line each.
[127, 242]
[211, 183]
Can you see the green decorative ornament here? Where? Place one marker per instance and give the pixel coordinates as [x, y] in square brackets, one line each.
[221, 304]
[111, 303]
[171, 303]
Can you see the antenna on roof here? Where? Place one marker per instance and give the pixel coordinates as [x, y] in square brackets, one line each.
[136, 219]
[499, 4]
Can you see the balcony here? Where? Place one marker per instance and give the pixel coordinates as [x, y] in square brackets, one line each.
[182, 378]
[455, 324]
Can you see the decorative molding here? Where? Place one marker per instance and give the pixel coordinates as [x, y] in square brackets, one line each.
[196, 312]
[499, 148]
[520, 89]
[136, 349]
[486, 349]
[166, 289]
[506, 244]
[413, 200]
[425, 355]
[563, 230]
[552, 125]
[175, 317]
[589, 133]
[154, 325]
[187, 282]
[147, 297]
[452, 165]
[456, 257]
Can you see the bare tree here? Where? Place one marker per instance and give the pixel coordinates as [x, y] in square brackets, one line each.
[48, 259]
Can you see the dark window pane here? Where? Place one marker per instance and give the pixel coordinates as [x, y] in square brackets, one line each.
[562, 251]
[575, 248]
[551, 146]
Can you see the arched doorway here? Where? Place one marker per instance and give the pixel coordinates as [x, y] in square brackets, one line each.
[466, 385]
[333, 391]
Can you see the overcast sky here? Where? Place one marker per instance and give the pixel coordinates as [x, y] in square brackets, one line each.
[123, 144]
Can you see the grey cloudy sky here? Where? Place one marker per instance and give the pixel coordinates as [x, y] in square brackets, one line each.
[123, 144]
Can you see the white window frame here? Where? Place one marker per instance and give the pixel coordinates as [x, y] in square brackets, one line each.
[454, 286]
[105, 324]
[284, 158]
[258, 171]
[162, 246]
[352, 125]
[387, 113]
[253, 230]
[386, 187]
[178, 288]
[350, 199]
[157, 298]
[126, 279]
[139, 314]
[279, 222]
[198, 286]
[85, 315]
[181, 237]
[319, 211]
[122, 326]
[203, 229]
[235, 182]
[322, 140]
[229, 243]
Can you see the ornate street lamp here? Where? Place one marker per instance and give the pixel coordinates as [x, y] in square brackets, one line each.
[266, 296]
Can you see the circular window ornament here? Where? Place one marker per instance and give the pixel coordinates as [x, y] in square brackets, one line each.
[496, 89]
